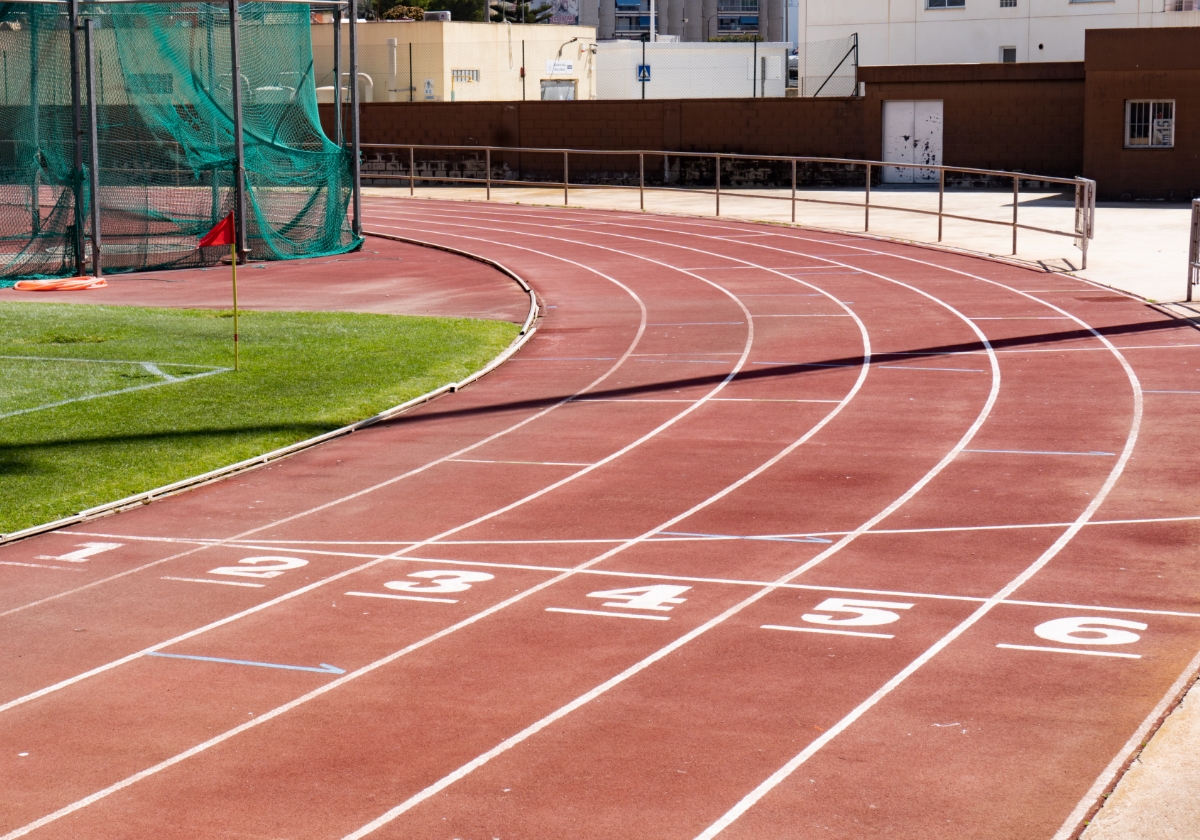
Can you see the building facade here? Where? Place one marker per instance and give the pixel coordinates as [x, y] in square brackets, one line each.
[980, 31]
[687, 20]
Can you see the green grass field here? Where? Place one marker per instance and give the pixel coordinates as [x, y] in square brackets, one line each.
[101, 402]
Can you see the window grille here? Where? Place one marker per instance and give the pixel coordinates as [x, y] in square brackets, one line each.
[464, 75]
[1150, 124]
[1008, 4]
[945, 4]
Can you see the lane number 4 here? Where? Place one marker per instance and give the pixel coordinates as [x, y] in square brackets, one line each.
[643, 597]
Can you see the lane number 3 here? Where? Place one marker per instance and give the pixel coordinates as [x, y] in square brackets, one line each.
[438, 582]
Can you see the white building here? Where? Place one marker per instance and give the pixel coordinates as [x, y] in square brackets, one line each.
[977, 31]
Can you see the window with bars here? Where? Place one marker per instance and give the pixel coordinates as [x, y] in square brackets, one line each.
[1008, 4]
[1150, 124]
[945, 4]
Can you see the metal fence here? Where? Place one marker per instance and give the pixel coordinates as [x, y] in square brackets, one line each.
[1194, 250]
[514, 70]
[771, 178]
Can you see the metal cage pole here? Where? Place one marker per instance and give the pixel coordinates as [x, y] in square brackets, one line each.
[89, 51]
[210, 44]
[337, 76]
[35, 186]
[355, 163]
[77, 128]
[239, 151]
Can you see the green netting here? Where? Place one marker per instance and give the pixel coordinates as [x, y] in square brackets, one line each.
[165, 125]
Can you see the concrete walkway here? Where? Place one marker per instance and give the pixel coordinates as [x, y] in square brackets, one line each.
[1139, 247]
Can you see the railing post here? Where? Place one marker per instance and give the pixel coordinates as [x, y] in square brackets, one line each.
[1194, 250]
[867, 203]
[412, 171]
[941, 199]
[718, 185]
[565, 178]
[487, 162]
[1016, 187]
[793, 191]
[641, 181]
[89, 49]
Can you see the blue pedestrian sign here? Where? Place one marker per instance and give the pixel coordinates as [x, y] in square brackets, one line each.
[643, 72]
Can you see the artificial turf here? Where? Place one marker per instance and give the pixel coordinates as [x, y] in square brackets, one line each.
[302, 373]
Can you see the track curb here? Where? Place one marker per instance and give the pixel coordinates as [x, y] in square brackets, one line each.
[174, 488]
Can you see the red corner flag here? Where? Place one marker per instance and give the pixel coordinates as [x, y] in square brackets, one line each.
[221, 234]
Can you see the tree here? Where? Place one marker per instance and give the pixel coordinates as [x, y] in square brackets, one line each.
[520, 12]
[469, 10]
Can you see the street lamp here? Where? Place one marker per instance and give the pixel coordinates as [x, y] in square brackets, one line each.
[708, 27]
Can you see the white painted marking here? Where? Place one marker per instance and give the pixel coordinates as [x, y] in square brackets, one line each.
[198, 580]
[682, 362]
[152, 368]
[916, 367]
[820, 630]
[403, 597]
[1036, 452]
[609, 614]
[82, 553]
[39, 566]
[90, 397]
[1172, 392]
[532, 463]
[1072, 650]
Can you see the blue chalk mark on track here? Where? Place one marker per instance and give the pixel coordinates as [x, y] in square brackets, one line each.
[738, 537]
[324, 669]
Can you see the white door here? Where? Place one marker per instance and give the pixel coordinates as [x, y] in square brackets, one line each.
[912, 133]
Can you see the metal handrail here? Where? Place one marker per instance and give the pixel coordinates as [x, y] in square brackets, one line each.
[1085, 188]
[1194, 250]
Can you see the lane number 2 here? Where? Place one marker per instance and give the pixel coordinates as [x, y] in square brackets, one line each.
[862, 613]
[643, 597]
[263, 567]
[439, 581]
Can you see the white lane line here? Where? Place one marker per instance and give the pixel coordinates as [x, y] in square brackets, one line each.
[86, 801]
[1072, 650]
[819, 315]
[1026, 318]
[916, 367]
[40, 566]
[403, 597]
[534, 463]
[696, 323]
[832, 632]
[582, 700]
[776, 778]
[357, 494]
[610, 614]
[111, 362]
[683, 361]
[1172, 392]
[784, 772]
[198, 580]
[1037, 452]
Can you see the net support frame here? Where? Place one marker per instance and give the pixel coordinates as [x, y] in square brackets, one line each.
[76, 137]
[239, 174]
[355, 156]
[89, 51]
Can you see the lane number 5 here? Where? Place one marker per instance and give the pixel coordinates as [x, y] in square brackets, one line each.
[863, 613]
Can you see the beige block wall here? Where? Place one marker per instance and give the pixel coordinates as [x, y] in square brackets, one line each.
[488, 58]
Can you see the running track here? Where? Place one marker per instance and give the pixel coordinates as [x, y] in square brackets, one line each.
[868, 499]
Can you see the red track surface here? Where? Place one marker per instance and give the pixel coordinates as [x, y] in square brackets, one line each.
[693, 413]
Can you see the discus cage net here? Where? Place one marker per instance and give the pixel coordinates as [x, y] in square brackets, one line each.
[119, 124]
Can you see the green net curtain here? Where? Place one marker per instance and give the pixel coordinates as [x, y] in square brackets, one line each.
[165, 126]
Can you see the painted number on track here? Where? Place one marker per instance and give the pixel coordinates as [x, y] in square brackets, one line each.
[263, 567]
[834, 614]
[1085, 631]
[439, 582]
[642, 597]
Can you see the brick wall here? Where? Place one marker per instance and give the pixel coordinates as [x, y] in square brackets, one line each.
[815, 127]
[1026, 117]
[1125, 64]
